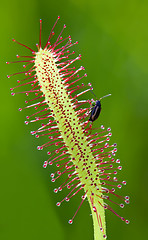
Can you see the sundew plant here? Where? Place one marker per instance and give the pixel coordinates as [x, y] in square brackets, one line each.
[83, 153]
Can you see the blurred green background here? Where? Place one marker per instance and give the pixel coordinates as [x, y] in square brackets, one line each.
[113, 41]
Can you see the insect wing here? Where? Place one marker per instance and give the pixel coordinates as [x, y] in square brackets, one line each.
[95, 113]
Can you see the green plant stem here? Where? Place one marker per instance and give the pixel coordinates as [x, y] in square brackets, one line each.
[98, 234]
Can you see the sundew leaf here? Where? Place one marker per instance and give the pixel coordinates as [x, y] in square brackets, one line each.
[83, 153]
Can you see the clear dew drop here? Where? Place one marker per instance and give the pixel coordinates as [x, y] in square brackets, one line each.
[52, 175]
[55, 190]
[70, 221]
[122, 205]
[127, 221]
[58, 204]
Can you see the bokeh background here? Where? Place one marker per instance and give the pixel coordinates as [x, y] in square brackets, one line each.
[113, 41]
